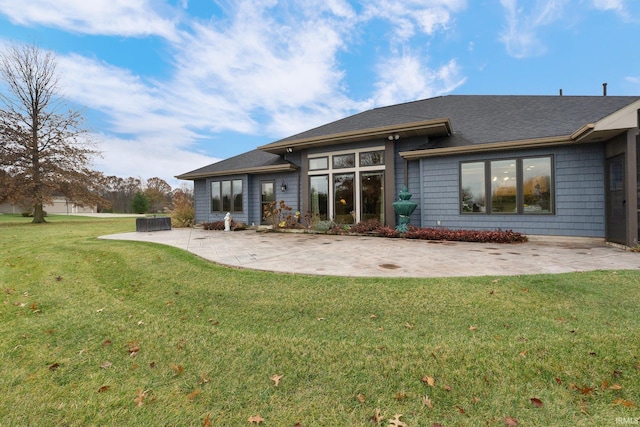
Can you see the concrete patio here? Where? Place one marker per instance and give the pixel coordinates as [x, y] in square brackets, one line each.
[363, 256]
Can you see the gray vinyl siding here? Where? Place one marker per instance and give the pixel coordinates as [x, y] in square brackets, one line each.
[413, 172]
[202, 194]
[579, 194]
[290, 196]
[202, 201]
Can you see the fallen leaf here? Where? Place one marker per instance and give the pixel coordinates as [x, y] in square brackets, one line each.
[54, 366]
[377, 416]
[408, 325]
[473, 328]
[59, 279]
[360, 398]
[586, 390]
[536, 402]
[427, 402]
[106, 365]
[625, 403]
[133, 348]
[373, 316]
[176, 368]
[152, 365]
[395, 422]
[509, 421]
[203, 379]
[139, 399]
[320, 319]
[558, 380]
[523, 354]
[193, 394]
[106, 342]
[604, 385]
[104, 388]
[429, 380]
[401, 395]
[460, 409]
[100, 310]
[617, 374]
[276, 379]
[616, 387]
[207, 421]
[491, 292]
[475, 399]
[256, 419]
[446, 387]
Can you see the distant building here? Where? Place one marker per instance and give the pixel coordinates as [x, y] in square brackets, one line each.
[60, 206]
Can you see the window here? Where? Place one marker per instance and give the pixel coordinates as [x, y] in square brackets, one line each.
[472, 192]
[226, 196]
[319, 190]
[372, 158]
[319, 163]
[514, 186]
[343, 192]
[347, 186]
[504, 191]
[343, 161]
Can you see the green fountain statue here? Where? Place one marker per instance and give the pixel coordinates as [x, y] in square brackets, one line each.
[404, 208]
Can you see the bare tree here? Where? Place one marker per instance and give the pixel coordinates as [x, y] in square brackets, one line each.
[44, 150]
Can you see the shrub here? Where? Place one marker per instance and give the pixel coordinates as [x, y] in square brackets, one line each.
[183, 214]
[281, 215]
[368, 226]
[219, 226]
[482, 236]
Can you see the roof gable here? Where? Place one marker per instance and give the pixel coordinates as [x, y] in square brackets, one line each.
[255, 161]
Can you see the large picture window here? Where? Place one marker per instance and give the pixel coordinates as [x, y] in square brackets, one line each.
[226, 196]
[347, 186]
[513, 186]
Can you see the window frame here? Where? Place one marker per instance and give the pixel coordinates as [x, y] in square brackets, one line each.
[520, 197]
[357, 168]
[218, 186]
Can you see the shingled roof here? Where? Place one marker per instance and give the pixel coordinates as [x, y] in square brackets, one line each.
[255, 161]
[473, 119]
[454, 123]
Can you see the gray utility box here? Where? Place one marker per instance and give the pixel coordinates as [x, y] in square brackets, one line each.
[153, 224]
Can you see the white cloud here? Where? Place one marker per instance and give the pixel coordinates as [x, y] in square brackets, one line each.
[405, 78]
[627, 10]
[520, 36]
[133, 18]
[411, 17]
[266, 68]
[146, 158]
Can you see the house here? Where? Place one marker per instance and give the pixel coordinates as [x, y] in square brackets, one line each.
[546, 165]
[59, 205]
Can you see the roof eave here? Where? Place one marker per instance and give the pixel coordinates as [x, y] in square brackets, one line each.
[492, 146]
[432, 128]
[240, 171]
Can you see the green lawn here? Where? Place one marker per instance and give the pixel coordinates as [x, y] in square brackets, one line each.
[126, 333]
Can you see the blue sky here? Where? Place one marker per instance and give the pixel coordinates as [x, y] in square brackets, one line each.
[168, 86]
